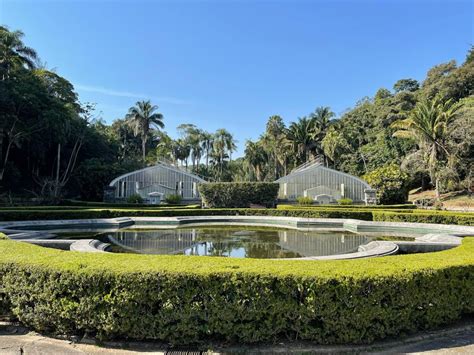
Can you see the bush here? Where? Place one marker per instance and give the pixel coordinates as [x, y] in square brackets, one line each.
[135, 199]
[185, 299]
[390, 182]
[345, 202]
[366, 214]
[173, 199]
[238, 194]
[358, 207]
[304, 201]
[439, 217]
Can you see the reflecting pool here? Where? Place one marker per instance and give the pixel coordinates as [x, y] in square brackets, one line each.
[235, 241]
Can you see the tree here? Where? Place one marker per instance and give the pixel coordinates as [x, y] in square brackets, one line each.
[301, 133]
[224, 145]
[14, 53]
[207, 144]
[274, 141]
[143, 117]
[334, 144]
[406, 85]
[429, 125]
[256, 157]
[321, 117]
[390, 182]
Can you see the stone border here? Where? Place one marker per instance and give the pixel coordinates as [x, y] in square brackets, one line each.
[435, 237]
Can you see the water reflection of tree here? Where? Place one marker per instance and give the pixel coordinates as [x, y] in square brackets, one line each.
[256, 244]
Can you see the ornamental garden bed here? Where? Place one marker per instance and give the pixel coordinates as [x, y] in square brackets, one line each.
[183, 300]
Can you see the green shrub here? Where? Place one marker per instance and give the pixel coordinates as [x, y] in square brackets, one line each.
[418, 216]
[185, 299]
[390, 182]
[304, 201]
[173, 199]
[366, 214]
[238, 194]
[135, 199]
[359, 207]
[345, 202]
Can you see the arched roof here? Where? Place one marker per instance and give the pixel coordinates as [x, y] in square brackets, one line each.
[159, 165]
[317, 166]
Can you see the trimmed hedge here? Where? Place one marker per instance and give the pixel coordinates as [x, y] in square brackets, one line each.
[370, 207]
[402, 215]
[21, 215]
[440, 217]
[68, 203]
[185, 299]
[238, 194]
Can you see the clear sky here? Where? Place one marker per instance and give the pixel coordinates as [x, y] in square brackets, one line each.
[232, 64]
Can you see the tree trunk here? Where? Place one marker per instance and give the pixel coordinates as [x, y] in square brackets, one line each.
[437, 189]
[144, 149]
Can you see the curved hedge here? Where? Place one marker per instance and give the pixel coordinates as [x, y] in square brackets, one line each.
[351, 206]
[184, 299]
[366, 214]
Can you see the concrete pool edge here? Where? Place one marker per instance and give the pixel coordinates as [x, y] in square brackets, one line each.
[435, 237]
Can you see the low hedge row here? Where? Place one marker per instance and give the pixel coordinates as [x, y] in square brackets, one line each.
[370, 207]
[107, 206]
[185, 299]
[418, 216]
[440, 217]
[68, 203]
[238, 194]
[20, 215]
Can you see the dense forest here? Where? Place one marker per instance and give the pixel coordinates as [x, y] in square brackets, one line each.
[416, 134]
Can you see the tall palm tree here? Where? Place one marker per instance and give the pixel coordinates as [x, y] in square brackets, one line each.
[429, 125]
[272, 141]
[300, 134]
[143, 118]
[224, 144]
[14, 53]
[321, 117]
[207, 143]
[256, 157]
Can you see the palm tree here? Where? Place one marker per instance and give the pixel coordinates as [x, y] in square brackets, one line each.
[14, 53]
[300, 134]
[224, 143]
[272, 141]
[256, 157]
[429, 125]
[207, 143]
[143, 117]
[321, 117]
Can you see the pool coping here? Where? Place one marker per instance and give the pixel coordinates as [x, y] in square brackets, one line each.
[435, 237]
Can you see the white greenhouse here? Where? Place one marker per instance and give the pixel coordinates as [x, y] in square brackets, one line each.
[323, 185]
[155, 183]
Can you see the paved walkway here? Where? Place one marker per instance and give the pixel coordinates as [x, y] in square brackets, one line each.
[458, 339]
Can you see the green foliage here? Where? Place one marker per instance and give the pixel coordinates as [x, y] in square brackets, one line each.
[367, 213]
[135, 199]
[184, 299]
[419, 216]
[238, 194]
[304, 201]
[345, 202]
[390, 182]
[356, 207]
[173, 199]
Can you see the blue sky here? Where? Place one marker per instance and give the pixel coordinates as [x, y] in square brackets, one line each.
[232, 64]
